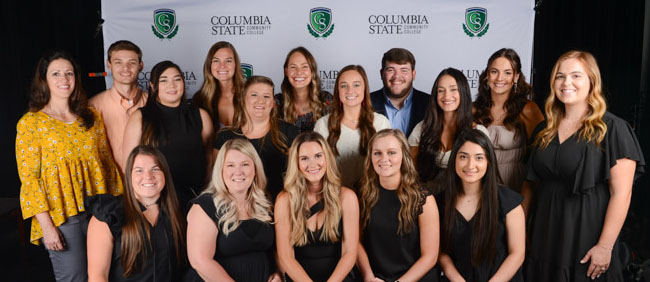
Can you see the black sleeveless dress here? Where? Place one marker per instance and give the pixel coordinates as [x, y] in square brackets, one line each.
[392, 254]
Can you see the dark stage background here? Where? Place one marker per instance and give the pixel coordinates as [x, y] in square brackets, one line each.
[612, 30]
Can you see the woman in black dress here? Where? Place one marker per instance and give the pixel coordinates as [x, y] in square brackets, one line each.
[317, 220]
[229, 232]
[139, 236]
[399, 219]
[582, 168]
[482, 228]
[174, 126]
[256, 120]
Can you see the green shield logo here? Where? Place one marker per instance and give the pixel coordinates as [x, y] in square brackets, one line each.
[164, 23]
[476, 22]
[320, 22]
[247, 69]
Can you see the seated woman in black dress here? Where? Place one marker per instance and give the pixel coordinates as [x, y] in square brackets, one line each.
[256, 120]
[399, 219]
[482, 224]
[139, 236]
[229, 232]
[583, 164]
[317, 220]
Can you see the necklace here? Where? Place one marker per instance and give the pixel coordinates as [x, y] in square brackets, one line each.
[352, 121]
[146, 206]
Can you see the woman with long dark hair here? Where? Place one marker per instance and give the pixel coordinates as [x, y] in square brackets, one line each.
[176, 127]
[482, 224]
[139, 236]
[62, 155]
[504, 105]
[449, 112]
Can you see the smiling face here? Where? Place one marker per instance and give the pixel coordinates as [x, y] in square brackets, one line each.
[147, 179]
[501, 77]
[170, 87]
[398, 78]
[60, 78]
[259, 101]
[223, 65]
[312, 162]
[572, 84]
[471, 163]
[387, 156]
[448, 95]
[298, 71]
[238, 172]
[351, 88]
[124, 66]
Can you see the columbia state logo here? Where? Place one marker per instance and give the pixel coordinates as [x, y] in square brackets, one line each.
[164, 23]
[320, 22]
[476, 22]
[247, 69]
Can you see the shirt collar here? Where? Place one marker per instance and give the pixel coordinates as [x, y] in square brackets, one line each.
[407, 101]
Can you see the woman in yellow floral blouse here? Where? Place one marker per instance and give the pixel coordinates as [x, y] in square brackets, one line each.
[62, 156]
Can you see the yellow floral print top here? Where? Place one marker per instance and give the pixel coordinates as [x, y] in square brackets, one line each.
[59, 164]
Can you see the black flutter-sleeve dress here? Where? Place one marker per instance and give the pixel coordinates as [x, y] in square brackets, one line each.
[571, 201]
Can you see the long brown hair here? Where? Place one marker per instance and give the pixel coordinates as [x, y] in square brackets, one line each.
[408, 191]
[315, 100]
[39, 95]
[135, 232]
[366, 127]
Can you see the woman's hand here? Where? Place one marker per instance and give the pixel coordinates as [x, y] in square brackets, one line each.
[275, 277]
[600, 257]
[374, 279]
[53, 239]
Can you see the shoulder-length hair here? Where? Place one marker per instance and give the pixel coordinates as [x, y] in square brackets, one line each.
[593, 127]
[408, 191]
[208, 96]
[315, 100]
[486, 222]
[366, 127]
[434, 123]
[258, 205]
[296, 186]
[135, 232]
[39, 95]
[241, 118]
[519, 95]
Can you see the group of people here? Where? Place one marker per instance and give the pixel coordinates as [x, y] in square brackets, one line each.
[242, 184]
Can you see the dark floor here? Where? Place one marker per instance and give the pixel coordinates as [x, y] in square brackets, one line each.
[32, 265]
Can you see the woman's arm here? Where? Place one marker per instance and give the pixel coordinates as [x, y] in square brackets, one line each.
[99, 250]
[449, 268]
[516, 232]
[286, 256]
[132, 136]
[207, 136]
[414, 153]
[620, 189]
[364, 265]
[429, 223]
[202, 244]
[532, 116]
[527, 188]
[350, 236]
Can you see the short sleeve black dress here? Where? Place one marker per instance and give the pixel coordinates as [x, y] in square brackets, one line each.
[274, 161]
[461, 250]
[571, 200]
[160, 261]
[246, 253]
[391, 254]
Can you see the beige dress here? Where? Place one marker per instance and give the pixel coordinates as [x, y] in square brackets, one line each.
[510, 153]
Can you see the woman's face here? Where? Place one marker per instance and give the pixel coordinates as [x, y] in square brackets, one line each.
[170, 87]
[448, 95]
[351, 88]
[312, 162]
[238, 172]
[60, 78]
[471, 163]
[259, 101]
[387, 156]
[572, 84]
[223, 65]
[501, 76]
[147, 179]
[298, 71]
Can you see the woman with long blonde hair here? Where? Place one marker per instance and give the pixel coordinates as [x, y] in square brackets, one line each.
[230, 233]
[317, 220]
[581, 170]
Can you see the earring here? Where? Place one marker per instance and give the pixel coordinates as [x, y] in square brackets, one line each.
[515, 88]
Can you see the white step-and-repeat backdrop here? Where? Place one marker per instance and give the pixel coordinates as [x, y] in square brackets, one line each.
[440, 33]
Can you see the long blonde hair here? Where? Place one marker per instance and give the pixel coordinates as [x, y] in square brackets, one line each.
[296, 186]
[315, 100]
[259, 207]
[593, 127]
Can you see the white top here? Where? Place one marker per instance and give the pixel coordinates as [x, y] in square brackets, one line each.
[441, 159]
[349, 161]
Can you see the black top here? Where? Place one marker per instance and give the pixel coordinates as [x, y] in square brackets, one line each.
[246, 253]
[391, 254]
[571, 201]
[461, 248]
[274, 161]
[305, 122]
[181, 143]
[160, 261]
[418, 107]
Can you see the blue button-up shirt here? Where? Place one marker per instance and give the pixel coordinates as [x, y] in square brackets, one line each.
[399, 118]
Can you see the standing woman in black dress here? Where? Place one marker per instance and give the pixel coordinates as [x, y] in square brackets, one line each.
[229, 232]
[582, 168]
[176, 127]
[399, 219]
[482, 229]
[317, 220]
